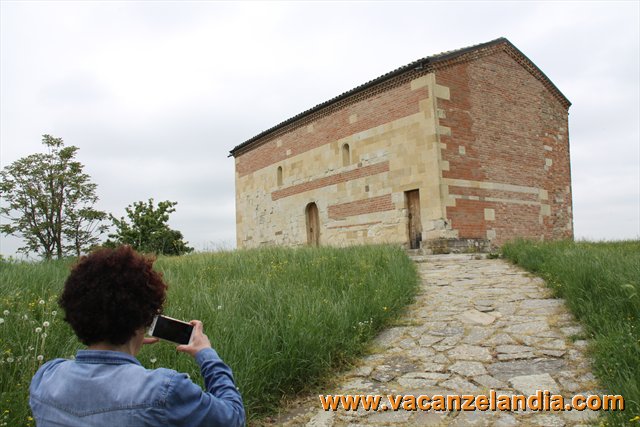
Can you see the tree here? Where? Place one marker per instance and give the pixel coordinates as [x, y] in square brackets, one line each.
[148, 230]
[48, 202]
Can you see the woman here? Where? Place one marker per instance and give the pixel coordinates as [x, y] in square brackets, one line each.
[110, 299]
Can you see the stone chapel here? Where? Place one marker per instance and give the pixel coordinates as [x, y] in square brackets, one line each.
[463, 149]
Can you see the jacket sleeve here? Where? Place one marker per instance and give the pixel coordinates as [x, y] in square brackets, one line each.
[221, 403]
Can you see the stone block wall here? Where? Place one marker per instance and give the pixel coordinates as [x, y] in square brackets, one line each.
[393, 148]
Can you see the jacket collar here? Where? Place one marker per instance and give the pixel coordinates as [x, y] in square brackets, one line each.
[105, 357]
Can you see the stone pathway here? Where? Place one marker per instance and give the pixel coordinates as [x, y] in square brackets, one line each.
[476, 325]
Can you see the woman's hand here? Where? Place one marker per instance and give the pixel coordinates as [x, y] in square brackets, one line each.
[198, 341]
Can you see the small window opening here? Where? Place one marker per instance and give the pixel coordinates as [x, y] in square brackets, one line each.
[346, 155]
[279, 175]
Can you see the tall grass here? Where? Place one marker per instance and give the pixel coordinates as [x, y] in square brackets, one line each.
[601, 284]
[283, 319]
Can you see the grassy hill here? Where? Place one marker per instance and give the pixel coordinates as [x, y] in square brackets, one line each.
[282, 318]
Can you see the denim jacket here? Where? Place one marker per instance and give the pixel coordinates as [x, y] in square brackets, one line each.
[110, 388]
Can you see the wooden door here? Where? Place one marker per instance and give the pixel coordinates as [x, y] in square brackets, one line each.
[313, 225]
[415, 226]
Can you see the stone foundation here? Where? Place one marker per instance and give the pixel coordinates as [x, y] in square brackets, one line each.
[457, 246]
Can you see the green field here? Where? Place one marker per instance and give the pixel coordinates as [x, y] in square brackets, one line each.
[601, 284]
[283, 319]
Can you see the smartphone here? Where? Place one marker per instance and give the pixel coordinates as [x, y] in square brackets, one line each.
[170, 329]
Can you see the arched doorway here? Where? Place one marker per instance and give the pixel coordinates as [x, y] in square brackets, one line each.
[313, 225]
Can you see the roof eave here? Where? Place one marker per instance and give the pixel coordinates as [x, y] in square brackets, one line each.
[419, 64]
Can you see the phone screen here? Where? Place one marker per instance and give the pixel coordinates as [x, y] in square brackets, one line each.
[172, 330]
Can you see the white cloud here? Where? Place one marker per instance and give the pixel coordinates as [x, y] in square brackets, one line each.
[155, 94]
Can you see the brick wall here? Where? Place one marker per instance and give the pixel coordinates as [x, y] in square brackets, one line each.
[507, 129]
[359, 207]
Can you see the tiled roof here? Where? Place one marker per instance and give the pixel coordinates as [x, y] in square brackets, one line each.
[420, 64]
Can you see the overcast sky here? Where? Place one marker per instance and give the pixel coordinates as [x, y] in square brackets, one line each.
[155, 94]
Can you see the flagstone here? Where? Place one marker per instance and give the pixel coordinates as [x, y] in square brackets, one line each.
[468, 369]
[489, 382]
[470, 352]
[429, 340]
[530, 384]
[476, 316]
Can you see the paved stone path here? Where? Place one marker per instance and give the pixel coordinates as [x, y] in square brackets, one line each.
[476, 325]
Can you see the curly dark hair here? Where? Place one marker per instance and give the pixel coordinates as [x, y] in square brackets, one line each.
[110, 294]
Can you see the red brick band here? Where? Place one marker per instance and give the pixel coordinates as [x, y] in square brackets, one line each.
[364, 224]
[359, 207]
[360, 172]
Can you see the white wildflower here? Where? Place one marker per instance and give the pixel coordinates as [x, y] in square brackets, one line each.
[153, 360]
[40, 358]
[6, 312]
[38, 330]
[219, 307]
[44, 335]
[46, 324]
[53, 313]
[25, 317]
[41, 302]
[9, 359]
[1, 320]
